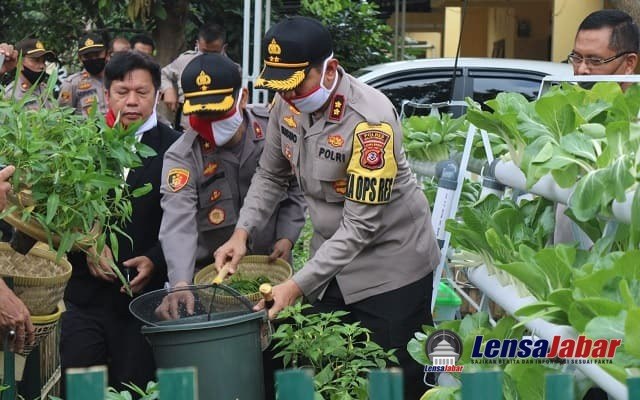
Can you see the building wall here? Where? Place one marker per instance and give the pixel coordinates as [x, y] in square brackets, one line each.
[567, 15]
[474, 33]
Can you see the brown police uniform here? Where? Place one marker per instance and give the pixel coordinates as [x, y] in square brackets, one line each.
[373, 246]
[17, 92]
[200, 215]
[81, 91]
[372, 228]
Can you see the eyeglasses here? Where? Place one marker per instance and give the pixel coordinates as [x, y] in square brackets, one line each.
[594, 61]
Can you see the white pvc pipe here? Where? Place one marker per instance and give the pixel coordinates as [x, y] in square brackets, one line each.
[509, 299]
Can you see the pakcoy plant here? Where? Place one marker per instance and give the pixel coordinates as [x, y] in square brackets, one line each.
[70, 170]
[496, 229]
[436, 137]
[586, 138]
[595, 291]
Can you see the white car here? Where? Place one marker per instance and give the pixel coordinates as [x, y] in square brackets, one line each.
[426, 81]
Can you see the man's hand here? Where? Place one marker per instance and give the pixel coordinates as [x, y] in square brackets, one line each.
[10, 57]
[281, 249]
[145, 267]
[14, 316]
[284, 295]
[170, 97]
[232, 251]
[5, 187]
[100, 267]
[170, 307]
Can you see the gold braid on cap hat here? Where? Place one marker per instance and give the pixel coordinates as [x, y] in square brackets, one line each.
[224, 105]
[282, 85]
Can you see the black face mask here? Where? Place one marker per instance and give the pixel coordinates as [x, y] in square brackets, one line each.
[94, 66]
[33, 76]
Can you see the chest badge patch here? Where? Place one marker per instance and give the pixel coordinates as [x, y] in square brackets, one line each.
[335, 141]
[84, 85]
[291, 123]
[340, 186]
[210, 168]
[294, 110]
[216, 216]
[177, 178]
[215, 195]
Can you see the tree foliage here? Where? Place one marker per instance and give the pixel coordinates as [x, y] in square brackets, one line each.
[360, 37]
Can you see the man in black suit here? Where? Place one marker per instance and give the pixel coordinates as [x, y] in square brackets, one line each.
[97, 328]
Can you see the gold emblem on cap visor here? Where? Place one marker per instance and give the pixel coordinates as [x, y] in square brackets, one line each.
[88, 42]
[203, 80]
[39, 45]
[274, 48]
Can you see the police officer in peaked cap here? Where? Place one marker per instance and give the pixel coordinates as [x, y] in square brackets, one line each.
[207, 173]
[85, 89]
[373, 244]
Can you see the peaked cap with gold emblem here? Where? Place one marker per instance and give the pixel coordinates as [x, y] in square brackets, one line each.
[90, 43]
[211, 83]
[33, 48]
[291, 47]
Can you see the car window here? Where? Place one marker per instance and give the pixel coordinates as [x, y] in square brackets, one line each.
[418, 87]
[487, 84]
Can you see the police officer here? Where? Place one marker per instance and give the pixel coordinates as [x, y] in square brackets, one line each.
[85, 89]
[373, 246]
[32, 73]
[207, 173]
[211, 39]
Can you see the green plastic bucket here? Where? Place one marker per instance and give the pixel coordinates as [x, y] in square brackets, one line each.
[447, 303]
[226, 352]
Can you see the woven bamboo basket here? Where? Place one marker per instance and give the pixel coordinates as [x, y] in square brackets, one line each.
[250, 267]
[38, 280]
[44, 325]
[34, 229]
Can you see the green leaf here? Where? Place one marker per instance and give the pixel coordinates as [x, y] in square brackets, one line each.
[52, 206]
[416, 350]
[544, 154]
[555, 113]
[142, 190]
[579, 145]
[590, 194]
[607, 327]
[632, 332]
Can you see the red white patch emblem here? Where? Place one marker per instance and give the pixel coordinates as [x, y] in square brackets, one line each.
[258, 130]
[215, 195]
[177, 178]
[340, 186]
[335, 141]
[372, 153]
[337, 108]
[216, 216]
[210, 169]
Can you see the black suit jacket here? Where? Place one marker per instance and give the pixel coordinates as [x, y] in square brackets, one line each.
[85, 290]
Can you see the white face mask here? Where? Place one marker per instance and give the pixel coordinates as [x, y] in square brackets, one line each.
[313, 101]
[224, 129]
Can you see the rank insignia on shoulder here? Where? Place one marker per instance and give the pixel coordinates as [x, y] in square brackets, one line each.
[177, 178]
[210, 168]
[337, 108]
[287, 151]
[258, 130]
[84, 85]
[65, 96]
[207, 147]
[294, 110]
[216, 216]
[24, 86]
[215, 195]
[335, 141]
[291, 123]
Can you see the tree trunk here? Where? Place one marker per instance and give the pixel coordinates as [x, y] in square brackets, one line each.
[630, 6]
[169, 33]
